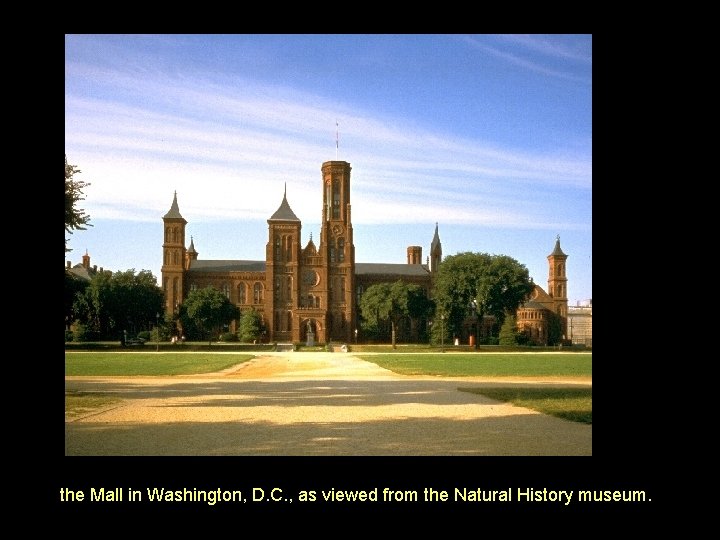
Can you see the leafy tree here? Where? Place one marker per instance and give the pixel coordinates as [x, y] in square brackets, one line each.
[209, 309]
[496, 284]
[74, 287]
[385, 303]
[123, 301]
[75, 218]
[508, 331]
[251, 326]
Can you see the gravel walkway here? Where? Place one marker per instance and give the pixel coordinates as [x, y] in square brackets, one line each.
[322, 404]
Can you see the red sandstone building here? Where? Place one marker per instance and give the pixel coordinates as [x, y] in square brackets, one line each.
[316, 288]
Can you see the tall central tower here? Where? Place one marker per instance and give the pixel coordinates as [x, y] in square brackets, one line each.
[338, 250]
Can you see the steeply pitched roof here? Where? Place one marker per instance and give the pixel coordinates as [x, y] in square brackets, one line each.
[227, 266]
[435, 240]
[557, 251]
[191, 249]
[284, 212]
[174, 212]
[391, 269]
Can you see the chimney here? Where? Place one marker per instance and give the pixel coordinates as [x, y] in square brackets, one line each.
[414, 255]
[94, 267]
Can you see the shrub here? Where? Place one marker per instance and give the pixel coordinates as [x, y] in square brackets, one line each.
[229, 336]
[83, 333]
[68, 335]
[145, 334]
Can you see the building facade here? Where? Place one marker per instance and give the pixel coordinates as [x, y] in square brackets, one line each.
[312, 292]
[298, 290]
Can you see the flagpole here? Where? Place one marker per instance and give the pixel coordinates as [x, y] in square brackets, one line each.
[337, 140]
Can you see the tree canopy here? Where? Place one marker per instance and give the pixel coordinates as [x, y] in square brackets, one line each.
[251, 326]
[75, 218]
[384, 303]
[209, 309]
[492, 284]
[113, 302]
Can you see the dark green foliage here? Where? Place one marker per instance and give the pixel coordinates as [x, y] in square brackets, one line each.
[209, 310]
[250, 327]
[75, 218]
[228, 337]
[497, 284]
[121, 302]
[74, 287]
[508, 331]
[393, 308]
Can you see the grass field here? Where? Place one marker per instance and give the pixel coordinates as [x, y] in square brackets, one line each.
[570, 403]
[151, 363]
[488, 365]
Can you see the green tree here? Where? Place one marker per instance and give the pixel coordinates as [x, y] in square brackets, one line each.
[494, 284]
[209, 309]
[74, 287]
[508, 331]
[390, 303]
[123, 301]
[251, 326]
[75, 218]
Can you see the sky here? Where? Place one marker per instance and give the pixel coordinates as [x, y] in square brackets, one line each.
[487, 136]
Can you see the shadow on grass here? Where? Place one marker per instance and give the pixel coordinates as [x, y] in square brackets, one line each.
[574, 404]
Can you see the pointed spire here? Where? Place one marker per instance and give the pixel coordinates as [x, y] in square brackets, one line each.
[191, 249]
[284, 212]
[436, 239]
[174, 211]
[557, 251]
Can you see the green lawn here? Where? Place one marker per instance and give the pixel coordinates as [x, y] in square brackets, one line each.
[573, 404]
[150, 363]
[489, 365]
[570, 403]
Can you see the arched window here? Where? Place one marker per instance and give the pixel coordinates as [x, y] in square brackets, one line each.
[332, 250]
[193, 287]
[289, 321]
[336, 199]
[288, 248]
[257, 293]
[226, 290]
[288, 284]
[317, 301]
[241, 293]
[278, 287]
[277, 248]
[165, 257]
[341, 250]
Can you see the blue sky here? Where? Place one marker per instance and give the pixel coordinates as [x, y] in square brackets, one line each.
[490, 136]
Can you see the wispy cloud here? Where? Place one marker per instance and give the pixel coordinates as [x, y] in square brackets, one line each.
[229, 148]
[525, 62]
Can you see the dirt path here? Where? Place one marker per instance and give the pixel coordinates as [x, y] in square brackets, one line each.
[295, 404]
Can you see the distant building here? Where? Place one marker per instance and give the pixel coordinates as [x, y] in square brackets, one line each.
[580, 323]
[83, 270]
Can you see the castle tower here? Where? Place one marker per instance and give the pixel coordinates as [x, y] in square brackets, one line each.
[557, 283]
[174, 256]
[435, 252]
[191, 254]
[338, 251]
[282, 271]
[414, 255]
[86, 260]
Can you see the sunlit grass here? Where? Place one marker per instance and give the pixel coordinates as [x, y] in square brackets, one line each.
[489, 365]
[152, 363]
[573, 404]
